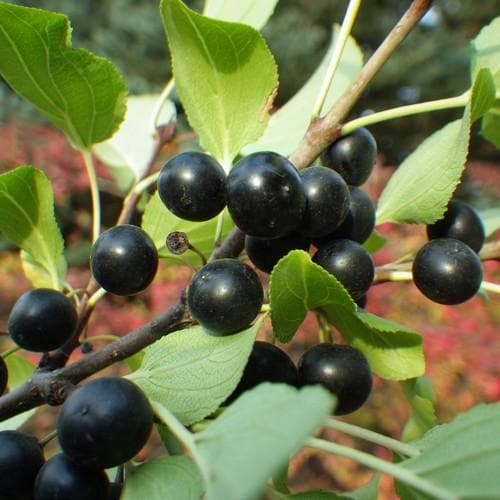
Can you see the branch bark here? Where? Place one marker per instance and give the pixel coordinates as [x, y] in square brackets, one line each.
[323, 131]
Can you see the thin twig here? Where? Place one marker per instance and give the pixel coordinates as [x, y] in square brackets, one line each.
[323, 131]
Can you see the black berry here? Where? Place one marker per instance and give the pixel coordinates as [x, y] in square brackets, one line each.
[358, 223]
[460, 222]
[265, 196]
[4, 375]
[265, 254]
[124, 260]
[192, 186]
[104, 423]
[447, 271]
[352, 156]
[267, 363]
[343, 370]
[350, 263]
[21, 458]
[41, 320]
[61, 478]
[327, 201]
[225, 296]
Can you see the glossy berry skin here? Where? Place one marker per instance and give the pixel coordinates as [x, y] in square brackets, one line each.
[265, 254]
[447, 271]
[352, 156]
[61, 478]
[265, 196]
[341, 369]
[104, 423]
[124, 260]
[192, 185]
[225, 296]
[41, 320]
[267, 363]
[460, 222]
[358, 223]
[4, 375]
[327, 201]
[350, 263]
[21, 458]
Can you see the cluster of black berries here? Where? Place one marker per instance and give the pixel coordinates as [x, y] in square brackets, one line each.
[102, 424]
[341, 369]
[448, 269]
[280, 209]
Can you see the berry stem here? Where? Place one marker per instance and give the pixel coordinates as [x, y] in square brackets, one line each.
[372, 437]
[155, 115]
[343, 36]
[48, 438]
[396, 471]
[490, 287]
[401, 111]
[94, 192]
[182, 434]
[10, 351]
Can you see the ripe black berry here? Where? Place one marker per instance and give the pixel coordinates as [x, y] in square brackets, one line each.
[104, 423]
[343, 370]
[4, 375]
[192, 186]
[327, 201]
[61, 478]
[265, 196]
[21, 458]
[358, 223]
[41, 320]
[124, 260]
[352, 156]
[225, 296]
[267, 363]
[460, 222]
[265, 254]
[350, 263]
[447, 271]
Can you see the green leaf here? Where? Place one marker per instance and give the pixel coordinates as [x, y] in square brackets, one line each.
[255, 13]
[485, 50]
[483, 94]
[462, 456]
[298, 285]
[490, 126]
[491, 220]
[288, 125]
[419, 191]
[375, 242]
[191, 372]
[80, 93]
[485, 53]
[256, 435]
[20, 370]
[27, 220]
[367, 492]
[128, 152]
[419, 393]
[162, 479]
[393, 351]
[158, 222]
[225, 77]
